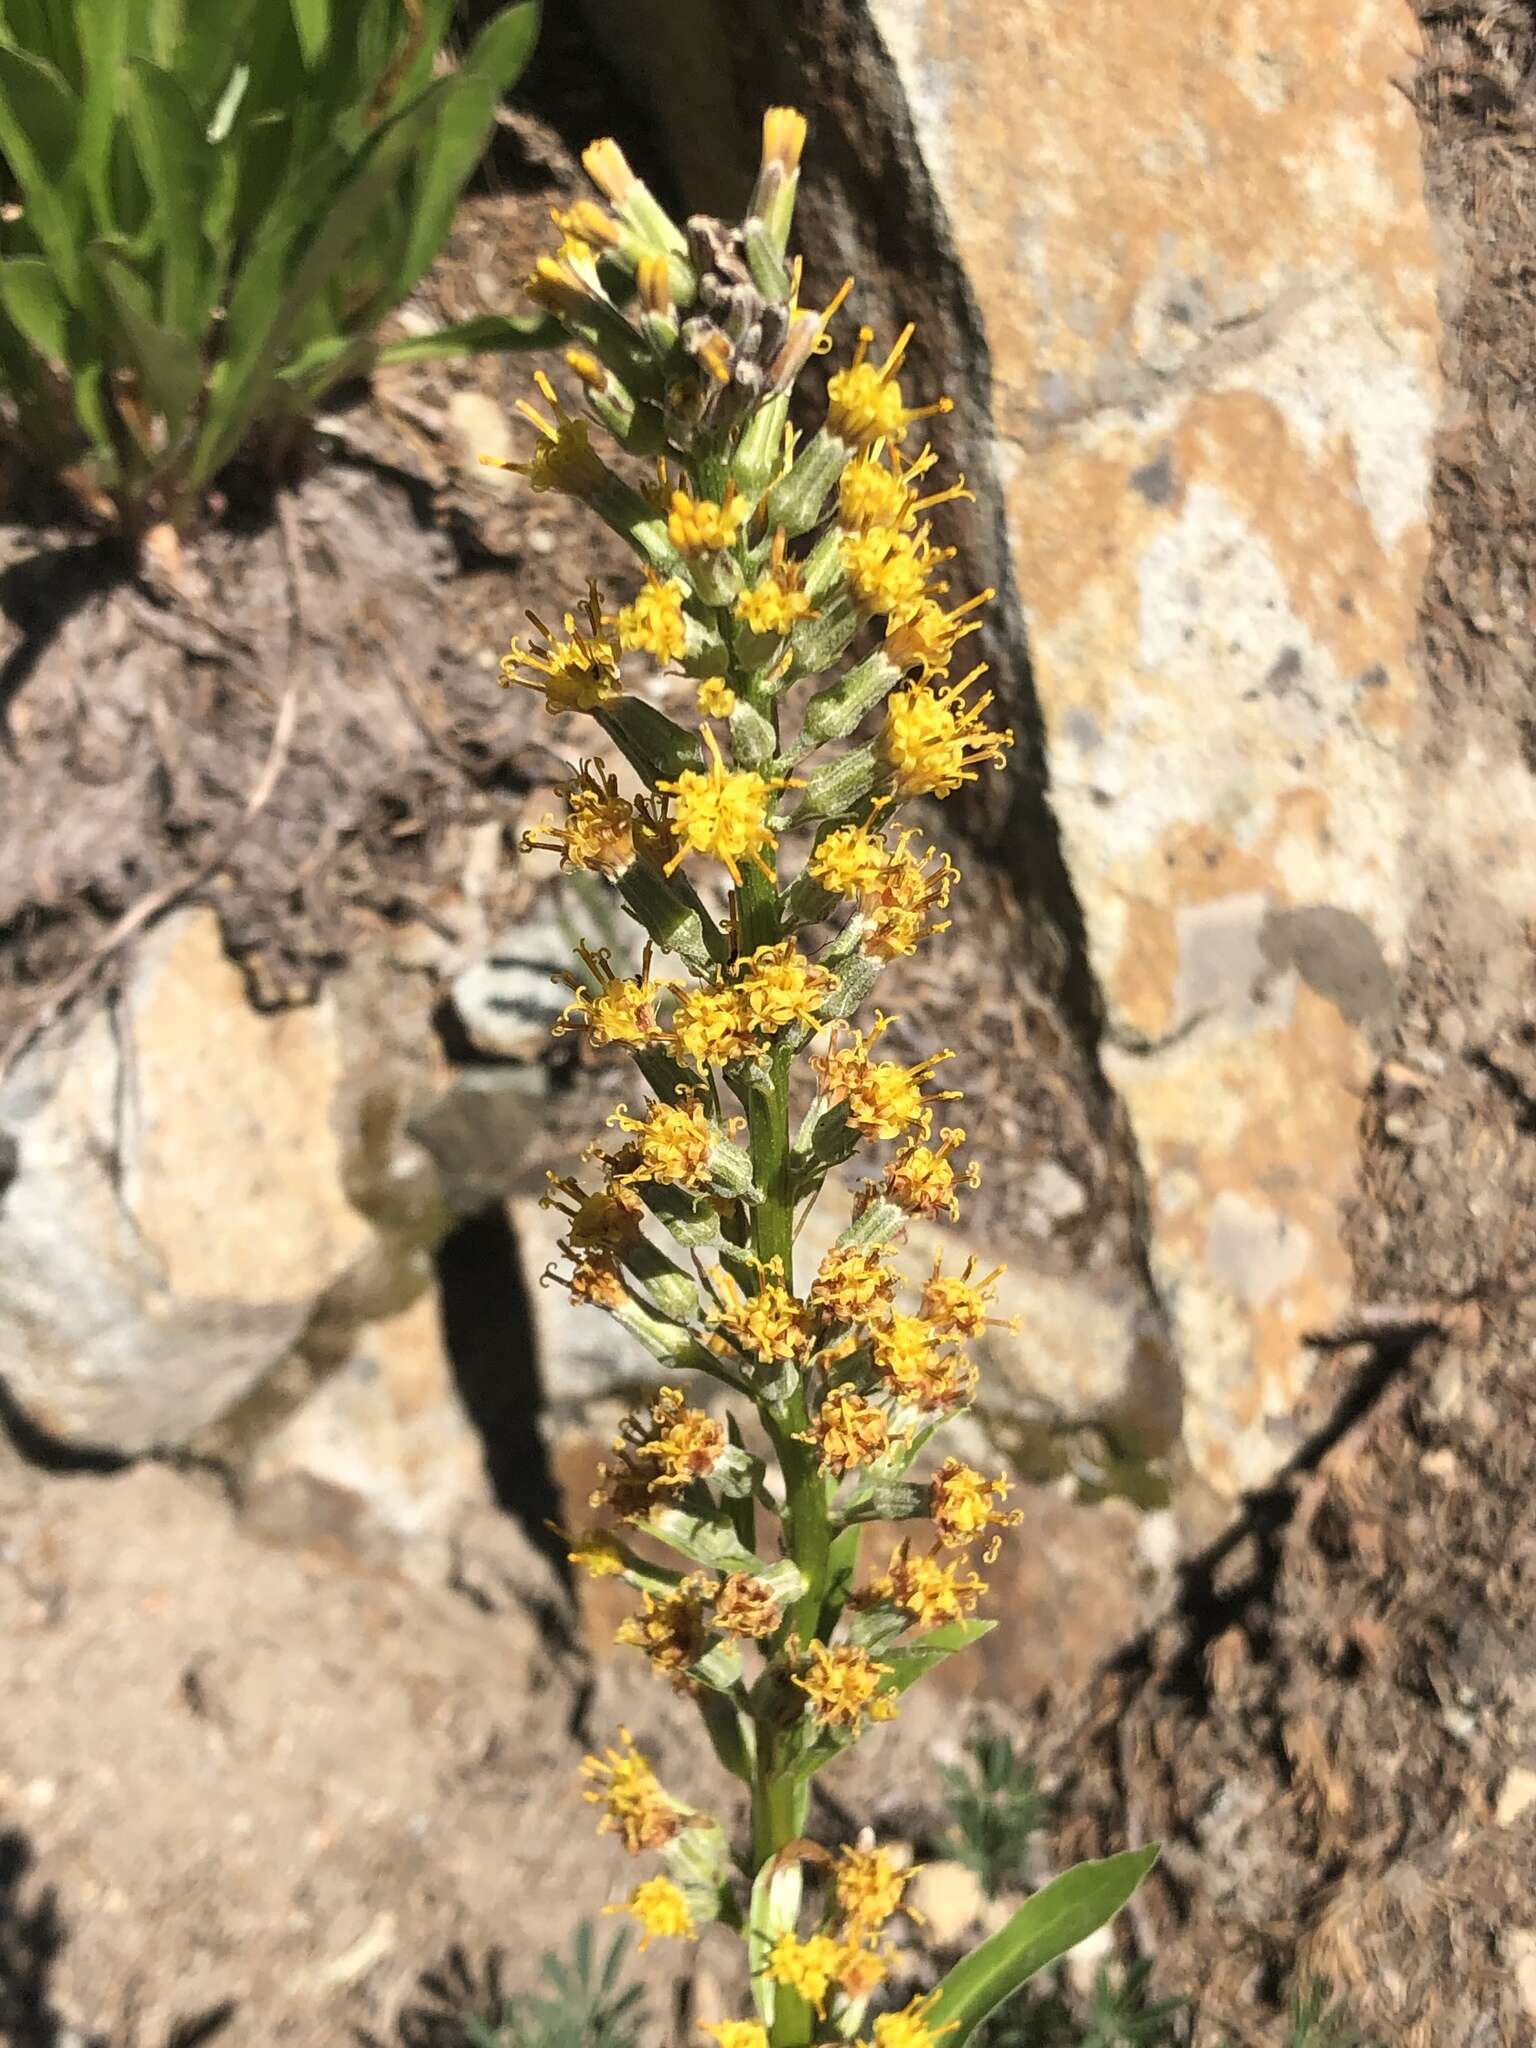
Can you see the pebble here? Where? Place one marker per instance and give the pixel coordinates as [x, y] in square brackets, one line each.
[1515, 1795]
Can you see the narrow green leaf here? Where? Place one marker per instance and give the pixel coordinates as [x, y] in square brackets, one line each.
[39, 123]
[1056, 1919]
[485, 334]
[501, 51]
[31, 296]
[909, 1664]
[447, 157]
[260, 322]
[312, 20]
[177, 161]
[102, 26]
[166, 360]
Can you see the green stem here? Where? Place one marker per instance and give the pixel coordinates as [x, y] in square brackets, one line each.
[779, 1805]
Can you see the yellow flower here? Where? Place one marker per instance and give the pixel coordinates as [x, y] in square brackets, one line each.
[873, 492]
[849, 860]
[883, 1099]
[933, 741]
[687, 1444]
[809, 1967]
[770, 1326]
[909, 2028]
[775, 603]
[661, 1909]
[964, 1506]
[722, 812]
[671, 1628]
[698, 526]
[599, 829]
[578, 673]
[673, 1143]
[635, 1808]
[930, 1592]
[565, 283]
[784, 130]
[654, 622]
[711, 1025]
[597, 1282]
[586, 219]
[737, 2034]
[602, 1219]
[563, 459]
[864, 402]
[606, 165]
[746, 1606]
[870, 1887]
[852, 1282]
[861, 1971]
[779, 986]
[715, 697]
[599, 1554]
[921, 1180]
[957, 1303]
[842, 1683]
[895, 909]
[926, 637]
[848, 1432]
[887, 570]
[911, 1364]
[617, 1012]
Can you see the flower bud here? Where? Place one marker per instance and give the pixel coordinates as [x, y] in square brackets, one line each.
[753, 739]
[796, 500]
[691, 1220]
[821, 641]
[839, 787]
[672, 1290]
[655, 746]
[761, 445]
[668, 909]
[834, 712]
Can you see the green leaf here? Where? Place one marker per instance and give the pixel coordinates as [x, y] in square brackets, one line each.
[909, 1665]
[485, 334]
[1056, 1919]
[32, 298]
[260, 321]
[102, 26]
[312, 20]
[176, 159]
[455, 146]
[39, 124]
[167, 361]
[501, 51]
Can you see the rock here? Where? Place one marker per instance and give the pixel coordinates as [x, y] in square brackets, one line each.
[1516, 1795]
[480, 436]
[177, 1203]
[949, 1898]
[1215, 415]
[1519, 1945]
[508, 999]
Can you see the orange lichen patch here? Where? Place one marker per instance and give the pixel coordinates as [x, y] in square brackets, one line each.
[1147, 969]
[1270, 1107]
[1245, 136]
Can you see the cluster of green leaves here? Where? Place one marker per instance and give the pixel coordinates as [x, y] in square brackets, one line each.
[586, 2005]
[995, 1807]
[209, 206]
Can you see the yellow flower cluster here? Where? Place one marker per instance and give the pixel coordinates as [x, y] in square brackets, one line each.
[794, 591]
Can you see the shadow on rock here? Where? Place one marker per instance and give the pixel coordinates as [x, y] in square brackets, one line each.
[32, 1938]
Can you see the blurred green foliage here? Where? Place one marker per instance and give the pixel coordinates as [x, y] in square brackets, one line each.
[209, 206]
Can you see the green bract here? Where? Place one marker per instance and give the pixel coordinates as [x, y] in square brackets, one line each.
[212, 205]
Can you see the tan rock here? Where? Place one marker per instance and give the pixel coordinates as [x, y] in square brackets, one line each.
[1516, 1796]
[1208, 284]
[949, 1897]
